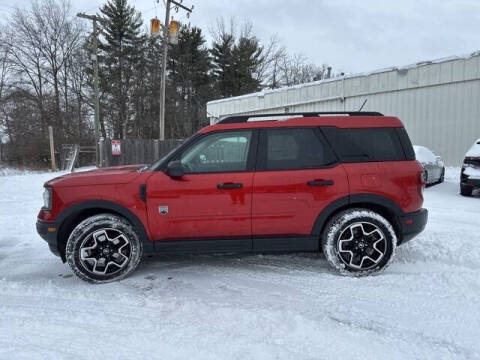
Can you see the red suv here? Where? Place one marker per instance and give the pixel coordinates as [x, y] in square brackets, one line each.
[344, 183]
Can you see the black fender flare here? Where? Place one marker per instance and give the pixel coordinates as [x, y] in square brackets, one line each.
[350, 200]
[107, 206]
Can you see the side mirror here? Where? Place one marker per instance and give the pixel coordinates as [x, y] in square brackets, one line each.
[175, 169]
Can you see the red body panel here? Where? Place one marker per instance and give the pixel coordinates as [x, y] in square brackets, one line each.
[67, 191]
[284, 204]
[197, 208]
[394, 180]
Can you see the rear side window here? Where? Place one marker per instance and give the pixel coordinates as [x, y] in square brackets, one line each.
[367, 144]
[406, 143]
[293, 148]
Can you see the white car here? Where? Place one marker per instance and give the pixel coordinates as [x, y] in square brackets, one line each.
[432, 163]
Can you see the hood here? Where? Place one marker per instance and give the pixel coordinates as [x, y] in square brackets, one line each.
[474, 150]
[103, 176]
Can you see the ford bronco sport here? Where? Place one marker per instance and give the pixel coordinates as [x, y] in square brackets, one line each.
[345, 183]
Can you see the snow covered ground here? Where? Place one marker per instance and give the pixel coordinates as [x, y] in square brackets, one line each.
[425, 306]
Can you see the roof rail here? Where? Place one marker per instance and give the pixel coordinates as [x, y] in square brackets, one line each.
[245, 118]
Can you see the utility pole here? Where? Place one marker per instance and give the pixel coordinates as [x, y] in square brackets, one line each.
[94, 19]
[52, 149]
[166, 28]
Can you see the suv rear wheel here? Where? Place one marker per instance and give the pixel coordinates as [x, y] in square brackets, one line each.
[359, 242]
[103, 248]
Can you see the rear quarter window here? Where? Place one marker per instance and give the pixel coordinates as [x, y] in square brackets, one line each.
[366, 144]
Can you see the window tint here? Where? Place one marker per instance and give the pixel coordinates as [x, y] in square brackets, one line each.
[220, 152]
[284, 149]
[363, 145]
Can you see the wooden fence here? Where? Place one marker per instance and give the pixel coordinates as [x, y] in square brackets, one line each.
[136, 151]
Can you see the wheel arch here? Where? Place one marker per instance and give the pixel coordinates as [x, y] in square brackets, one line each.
[380, 204]
[68, 219]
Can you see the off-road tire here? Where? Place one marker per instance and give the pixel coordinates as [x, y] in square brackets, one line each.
[341, 224]
[94, 225]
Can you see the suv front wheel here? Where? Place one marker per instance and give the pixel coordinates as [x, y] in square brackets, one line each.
[359, 242]
[103, 248]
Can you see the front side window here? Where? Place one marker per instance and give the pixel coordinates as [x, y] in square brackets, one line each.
[294, 148]
[218, 152]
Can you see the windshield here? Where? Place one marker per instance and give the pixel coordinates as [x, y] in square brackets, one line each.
[157, 163]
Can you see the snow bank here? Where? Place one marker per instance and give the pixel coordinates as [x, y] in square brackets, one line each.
[6, 171]
[239, 306]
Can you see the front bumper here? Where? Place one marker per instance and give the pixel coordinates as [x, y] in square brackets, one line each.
[48, 232]
[412, 224]
[466, 180]
[475, 183]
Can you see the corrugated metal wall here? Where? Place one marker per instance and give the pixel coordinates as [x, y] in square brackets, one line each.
[439, 101]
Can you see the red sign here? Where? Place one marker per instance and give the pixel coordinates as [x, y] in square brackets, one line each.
[116, 148]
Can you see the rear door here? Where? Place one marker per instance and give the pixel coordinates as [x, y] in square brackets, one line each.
[297, 177]
[214, 197]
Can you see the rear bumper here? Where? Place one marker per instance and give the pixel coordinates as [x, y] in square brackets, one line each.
[413, 224]
[46, 232]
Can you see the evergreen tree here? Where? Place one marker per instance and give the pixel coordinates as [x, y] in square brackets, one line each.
[121, 52]
[247, 55]
[236, 64]
[146, 90]
[224, 67]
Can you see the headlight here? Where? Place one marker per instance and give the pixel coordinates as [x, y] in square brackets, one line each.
[47, 198]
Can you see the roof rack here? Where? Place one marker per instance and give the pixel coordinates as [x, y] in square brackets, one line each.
[245, 118]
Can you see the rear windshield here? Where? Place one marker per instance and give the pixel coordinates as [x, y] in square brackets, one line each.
[366, 144]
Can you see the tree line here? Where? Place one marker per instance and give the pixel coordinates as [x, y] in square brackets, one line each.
[46, 76]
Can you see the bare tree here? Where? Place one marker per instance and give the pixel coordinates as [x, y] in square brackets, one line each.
[57, 36]
[295, 70]
[4, 64]
[269, 70]
[5, 68]
[47, 72]
[26, 59]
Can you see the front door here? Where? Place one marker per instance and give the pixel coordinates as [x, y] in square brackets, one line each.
[214, 197]
[297, 177]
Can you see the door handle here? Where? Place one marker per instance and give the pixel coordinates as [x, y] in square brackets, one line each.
[320, 182]
[229, 185]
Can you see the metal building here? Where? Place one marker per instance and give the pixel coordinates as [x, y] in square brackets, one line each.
[438, 101]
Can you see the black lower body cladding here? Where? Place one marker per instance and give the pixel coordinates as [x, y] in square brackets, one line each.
[46, 232]
[413, 224]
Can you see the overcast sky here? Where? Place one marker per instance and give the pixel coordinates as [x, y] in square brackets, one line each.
[351, 35]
